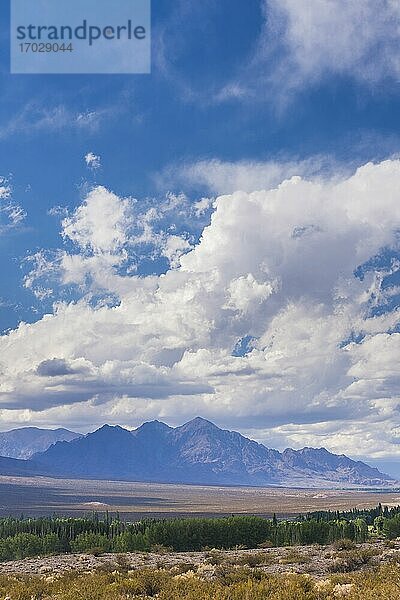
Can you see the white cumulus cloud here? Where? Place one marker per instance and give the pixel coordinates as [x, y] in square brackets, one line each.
[277, 265]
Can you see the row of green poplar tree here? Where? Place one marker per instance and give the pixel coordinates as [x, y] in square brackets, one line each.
[20, 538]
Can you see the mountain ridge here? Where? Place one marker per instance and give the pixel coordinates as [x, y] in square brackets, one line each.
[22, 443]
[199, 452]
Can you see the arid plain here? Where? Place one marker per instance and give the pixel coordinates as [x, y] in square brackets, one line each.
[45, 496]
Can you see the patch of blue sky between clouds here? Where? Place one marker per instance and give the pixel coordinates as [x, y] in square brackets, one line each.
[243, 346]
[385, 297]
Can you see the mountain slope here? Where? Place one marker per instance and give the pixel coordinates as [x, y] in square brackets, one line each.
[19, 468]
[199, 452]
[226, 456]
[336, 467]
[23, 443]
[109, 452]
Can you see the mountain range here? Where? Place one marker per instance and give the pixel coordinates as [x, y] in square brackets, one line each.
[197, 452]
[26, 441]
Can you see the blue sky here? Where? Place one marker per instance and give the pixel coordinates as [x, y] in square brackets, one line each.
[241, 97]
[174, 116]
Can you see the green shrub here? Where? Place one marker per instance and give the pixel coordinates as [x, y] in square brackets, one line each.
[215, 557]
[161, 549]
[51, 544]
[254, 559]
[293, 556]
[344, 544]
[5, 550]
[130, 542]
[122, 563]
[92, 543]
[266, 544]
[390, 527]
[352, 560]
[23, 545]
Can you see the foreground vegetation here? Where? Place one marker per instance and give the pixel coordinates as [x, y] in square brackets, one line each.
[21, 538]
[289, 560]
[226, 584]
